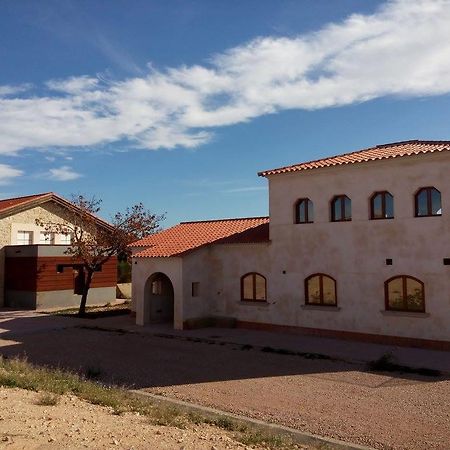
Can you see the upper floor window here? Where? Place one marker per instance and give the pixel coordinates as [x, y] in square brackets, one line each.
[382, 205]
[46, 238]
[304, 211]
[253, 287]
[404, 293]
[320, 289]
[428, 202]
[65, 239]
[341, 208]
[24, 237]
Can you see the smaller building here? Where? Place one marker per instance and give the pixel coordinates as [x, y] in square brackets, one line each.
[35, 270]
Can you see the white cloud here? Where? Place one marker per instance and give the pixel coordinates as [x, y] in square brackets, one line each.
[8, 173]
[73, 85]
[403, 49]
[63, 173]
[8, 89]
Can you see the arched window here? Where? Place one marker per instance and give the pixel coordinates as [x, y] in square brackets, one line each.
[341, 208]
[320, 289]
[428, 202]
[404, 293]
[382, 205]
[304, 211]
[253, 288]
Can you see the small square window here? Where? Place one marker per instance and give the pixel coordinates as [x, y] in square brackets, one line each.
[446, 261]
[195, 289]
[65, 239]
[24, 237]
[389, 261]
[46, 238]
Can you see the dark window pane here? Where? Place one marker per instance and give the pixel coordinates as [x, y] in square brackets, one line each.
[310, 211]
[248, 287]
[348, 208]
[337, 209]
[260, 287]
[377, 205]
[436, 202]
[414, 295]
[422, 203]
[329, 297]
[389, 213]
[395, 293]
[313, 288]
[302, 212]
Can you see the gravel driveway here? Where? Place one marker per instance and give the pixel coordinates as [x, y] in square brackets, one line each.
[329, 398]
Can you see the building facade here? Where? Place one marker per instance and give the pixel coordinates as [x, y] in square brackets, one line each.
[35, 272]
[358, 246]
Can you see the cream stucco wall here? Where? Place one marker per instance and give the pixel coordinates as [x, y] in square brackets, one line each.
[219, 268]
[353, 253]
[26, 221]
[143, 269]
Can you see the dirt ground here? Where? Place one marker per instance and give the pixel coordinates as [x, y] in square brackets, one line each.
[328, 398]
[75, 424]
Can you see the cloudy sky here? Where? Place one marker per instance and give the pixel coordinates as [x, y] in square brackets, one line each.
[179, 103]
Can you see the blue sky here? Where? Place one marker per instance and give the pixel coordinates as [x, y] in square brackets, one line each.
[179, 104]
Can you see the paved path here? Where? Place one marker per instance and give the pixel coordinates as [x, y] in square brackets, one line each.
[226, 369]
[336, 348]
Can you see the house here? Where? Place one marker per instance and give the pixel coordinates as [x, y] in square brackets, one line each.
[35, 271]
[357, 246]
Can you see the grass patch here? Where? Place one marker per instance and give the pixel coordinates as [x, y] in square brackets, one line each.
[387, 363]
[96, 312]
[47, 399]
[52, 383]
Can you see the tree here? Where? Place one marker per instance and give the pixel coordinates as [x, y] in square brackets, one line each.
[94, 242]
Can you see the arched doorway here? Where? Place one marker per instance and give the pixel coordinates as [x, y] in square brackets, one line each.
[158, 306]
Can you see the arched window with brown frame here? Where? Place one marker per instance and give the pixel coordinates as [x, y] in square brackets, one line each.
[404, 293]
[304, 211]
[428, 202]
[341, 209]
[253, 287]
[320, 289]
[382, 205]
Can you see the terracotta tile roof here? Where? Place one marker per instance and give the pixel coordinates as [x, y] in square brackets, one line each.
[11, 203]
[188, 236]
[385, 151]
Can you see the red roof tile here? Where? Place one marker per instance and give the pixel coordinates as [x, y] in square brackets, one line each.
[10, 203]
[188, 236]
[385, 151]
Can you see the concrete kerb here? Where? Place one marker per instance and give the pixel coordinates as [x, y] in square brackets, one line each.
[298, 437]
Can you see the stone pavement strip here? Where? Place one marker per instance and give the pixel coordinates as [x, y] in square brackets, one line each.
[346, 350]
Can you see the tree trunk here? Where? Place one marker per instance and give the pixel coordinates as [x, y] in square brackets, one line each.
[87, 285]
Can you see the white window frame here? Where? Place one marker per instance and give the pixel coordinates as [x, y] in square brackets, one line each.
[65, 239]
[20, 237]
[46, 238]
